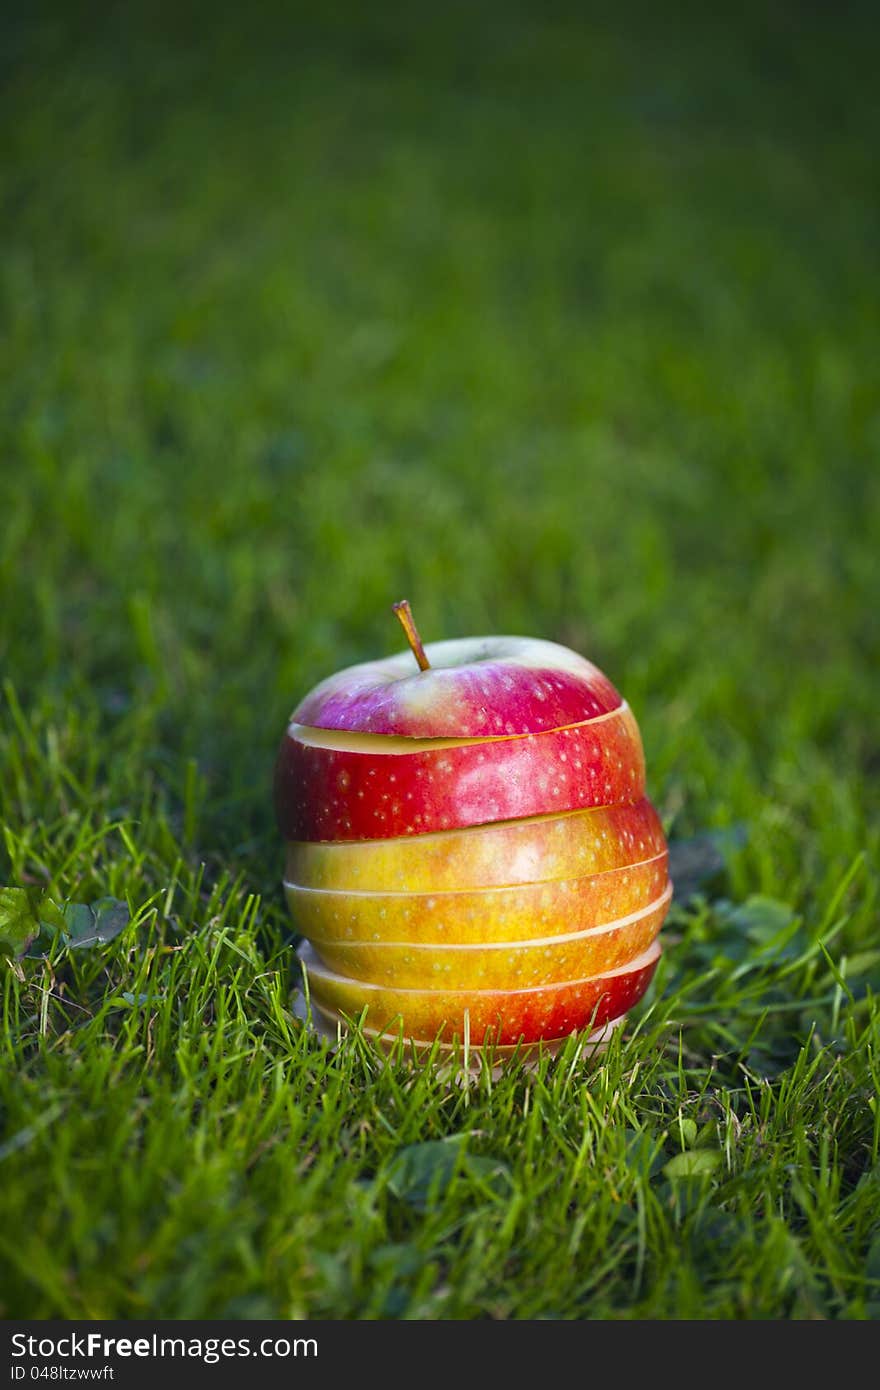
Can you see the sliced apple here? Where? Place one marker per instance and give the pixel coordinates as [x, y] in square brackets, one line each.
[498, 965]
[502, 1016]
[484, 856]
[345, 786]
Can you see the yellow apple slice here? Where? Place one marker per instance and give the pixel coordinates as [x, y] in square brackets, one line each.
[499, 965]
[478, 916]
[567, 845]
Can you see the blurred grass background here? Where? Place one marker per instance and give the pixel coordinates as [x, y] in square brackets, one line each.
[556, 319]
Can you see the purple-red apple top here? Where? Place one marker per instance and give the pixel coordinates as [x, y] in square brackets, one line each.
[475, 687]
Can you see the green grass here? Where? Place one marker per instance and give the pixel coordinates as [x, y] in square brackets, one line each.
[557, 321]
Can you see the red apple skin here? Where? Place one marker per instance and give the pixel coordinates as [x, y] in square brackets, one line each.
[475, 687]
[570, 845]
[512, 965]
[326, 793]
[451, 1051]
[448, 1051]
[503, 1018]
[480, 916]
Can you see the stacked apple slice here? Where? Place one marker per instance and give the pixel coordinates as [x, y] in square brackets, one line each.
[470, 850]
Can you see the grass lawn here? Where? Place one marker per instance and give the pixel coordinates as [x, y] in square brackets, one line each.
[559, 321]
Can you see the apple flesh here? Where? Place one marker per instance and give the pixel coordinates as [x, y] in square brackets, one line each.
[504, 1017]
[486, 856]
[474, 687]
[345, 786]
[497, 965]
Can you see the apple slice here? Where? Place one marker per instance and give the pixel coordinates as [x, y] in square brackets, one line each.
[472, 688]
[504, 1016]
[498, 965]
[346, 786]
[478, 916]
[484, 856]
[328, 1022]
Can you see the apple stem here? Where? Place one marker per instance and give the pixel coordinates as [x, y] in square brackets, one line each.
[407, 622]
